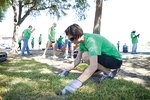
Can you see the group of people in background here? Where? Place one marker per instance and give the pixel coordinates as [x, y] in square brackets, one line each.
[134, 39]
[32, 42]
[68, 45]
[51, 42]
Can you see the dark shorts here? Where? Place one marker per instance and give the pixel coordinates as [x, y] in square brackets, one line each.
[52, 41]
[39, 43]
[109, 61]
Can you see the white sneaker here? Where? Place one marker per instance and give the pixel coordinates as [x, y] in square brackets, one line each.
[54, 57]
[43, 56]
[66, 57]
[72, 57]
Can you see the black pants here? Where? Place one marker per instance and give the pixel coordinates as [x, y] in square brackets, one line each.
[19, 45]
[109, 61]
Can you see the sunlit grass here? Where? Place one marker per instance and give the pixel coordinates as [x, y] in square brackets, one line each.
[29, 80]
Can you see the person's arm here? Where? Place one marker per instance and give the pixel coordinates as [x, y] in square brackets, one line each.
[21, 36]
[90, 69]
[77, 83]
[76, 61]
[72, 66]
[32, 31]
[50, 33]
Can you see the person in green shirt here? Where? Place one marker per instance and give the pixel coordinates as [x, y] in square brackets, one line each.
[98, 52]
[25, 37]
[118, 45]
[51, 41]
[40, 40]
[32, 42]
[19, 43]
[134, 38]
[59, 43]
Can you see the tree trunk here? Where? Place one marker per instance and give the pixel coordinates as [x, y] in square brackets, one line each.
[15, 33]
[98, 15]
[14, 47]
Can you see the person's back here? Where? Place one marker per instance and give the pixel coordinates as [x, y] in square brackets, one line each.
[125, 48]
[100, 45]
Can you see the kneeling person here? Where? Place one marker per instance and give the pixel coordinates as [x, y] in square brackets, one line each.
[97, 51]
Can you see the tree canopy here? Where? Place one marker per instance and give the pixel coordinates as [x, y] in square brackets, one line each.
[4, 5]
[23, 8]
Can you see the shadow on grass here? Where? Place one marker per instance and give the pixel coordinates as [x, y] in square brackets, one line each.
[30, 80]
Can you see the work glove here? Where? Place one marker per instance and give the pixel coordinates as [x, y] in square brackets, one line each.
[72, 87]
[64, 73]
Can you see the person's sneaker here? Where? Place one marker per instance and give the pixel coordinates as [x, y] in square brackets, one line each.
[104, 76]
[66, 57]
[22, 54]
[113, 73]
[72, 57]
[54, 57]
[64, 73]
[43, 56]
[30, 54]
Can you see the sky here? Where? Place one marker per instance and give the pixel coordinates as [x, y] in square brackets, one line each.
[119, 18]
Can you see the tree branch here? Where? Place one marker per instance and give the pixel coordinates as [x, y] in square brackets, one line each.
[41, 8]
[20, 10]
[28, 11]
[15, 11]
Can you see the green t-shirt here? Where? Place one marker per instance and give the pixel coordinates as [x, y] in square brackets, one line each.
[40, 38]
[26, 33]
[60, 39]
[134, 38]
[96, 45]
[19, 41]
[52, 34]
[32, 41]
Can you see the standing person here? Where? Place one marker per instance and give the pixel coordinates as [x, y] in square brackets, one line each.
[40, 40]
[59, 43]
[97, 52]
[134, 41]
[51, 41]
[32, 42]
[118, 45]
[67, 45]
[19, 43]
[125, 48]
[25, 36]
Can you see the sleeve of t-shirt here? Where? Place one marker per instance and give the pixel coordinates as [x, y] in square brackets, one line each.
[29, 31]
[133, 35]
[82, 47]
[94, 47]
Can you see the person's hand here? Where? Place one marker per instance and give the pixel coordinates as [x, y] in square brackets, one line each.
[33, 29]
[64, 73]
[138, 35]
[72, 87]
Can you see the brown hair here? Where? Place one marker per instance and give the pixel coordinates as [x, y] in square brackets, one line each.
[74, 30]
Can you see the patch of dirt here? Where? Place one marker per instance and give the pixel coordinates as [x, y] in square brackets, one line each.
[135, 67]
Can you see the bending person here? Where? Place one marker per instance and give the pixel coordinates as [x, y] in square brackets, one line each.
[97, 51]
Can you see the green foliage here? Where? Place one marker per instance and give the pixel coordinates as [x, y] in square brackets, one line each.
[55, 7]
[80, 7]
[4, 5]
[25, 79]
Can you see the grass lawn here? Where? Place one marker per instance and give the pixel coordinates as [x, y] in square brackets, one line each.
[26, 79]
